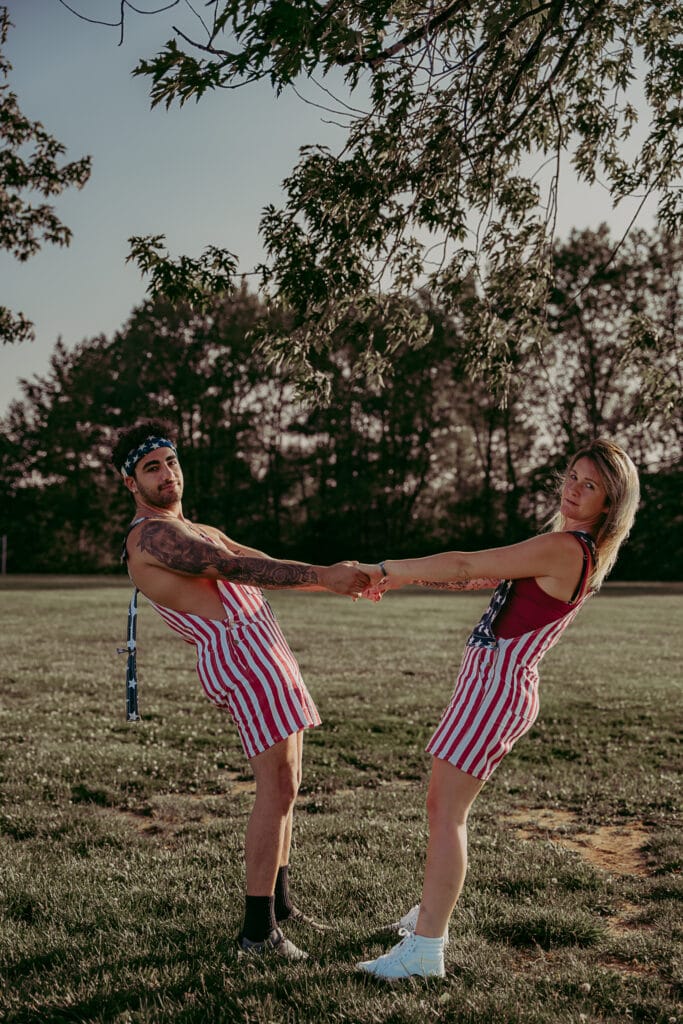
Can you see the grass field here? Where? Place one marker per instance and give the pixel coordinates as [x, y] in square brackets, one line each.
[121, 871]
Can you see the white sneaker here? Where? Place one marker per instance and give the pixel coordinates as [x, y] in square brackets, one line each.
[407, 924]
[414, 955]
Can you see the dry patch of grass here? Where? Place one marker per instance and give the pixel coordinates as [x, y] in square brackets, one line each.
[613, 848]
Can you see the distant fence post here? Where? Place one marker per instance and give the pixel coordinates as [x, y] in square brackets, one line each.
[3, 556]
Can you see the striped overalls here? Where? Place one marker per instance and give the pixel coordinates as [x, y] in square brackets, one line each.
[495, 700]
[245, 665]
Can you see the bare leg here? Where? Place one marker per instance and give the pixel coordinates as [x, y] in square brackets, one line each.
[277, 773]
[287, 839]
[451, 794]
[421, 953]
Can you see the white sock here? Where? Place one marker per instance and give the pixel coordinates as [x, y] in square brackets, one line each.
[428, 946]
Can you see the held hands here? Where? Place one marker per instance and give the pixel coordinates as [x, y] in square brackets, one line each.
[346, 578]
[381, 580]
[374, 589]
[359, 579]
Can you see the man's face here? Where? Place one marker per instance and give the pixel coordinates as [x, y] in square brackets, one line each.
[158, 479]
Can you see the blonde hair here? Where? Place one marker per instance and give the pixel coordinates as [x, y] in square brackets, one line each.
[619, 477]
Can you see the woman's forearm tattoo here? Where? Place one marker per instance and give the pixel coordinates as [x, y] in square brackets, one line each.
[194, 555]
[464, 584]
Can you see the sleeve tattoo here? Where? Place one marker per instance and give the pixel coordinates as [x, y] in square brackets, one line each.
[193, 555]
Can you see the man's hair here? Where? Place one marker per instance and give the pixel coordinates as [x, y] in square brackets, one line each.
[132, 437]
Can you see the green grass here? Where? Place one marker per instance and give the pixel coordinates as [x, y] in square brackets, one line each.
[121, 871]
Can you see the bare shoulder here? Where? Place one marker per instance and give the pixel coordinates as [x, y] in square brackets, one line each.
[568, 543]
[177, 545]
[553, 544]
[149, 526]
[558, 541]
[547, 541]
[559, 547]
[564, 566]
[157, 537]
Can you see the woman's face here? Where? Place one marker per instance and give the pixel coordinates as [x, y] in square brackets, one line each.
[584, 498]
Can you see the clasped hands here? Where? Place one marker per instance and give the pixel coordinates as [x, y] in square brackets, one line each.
[378, 582]
[360, 579]
[377, 585]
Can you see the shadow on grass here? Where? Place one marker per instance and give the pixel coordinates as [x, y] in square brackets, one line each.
[231, 989]
[546, 929]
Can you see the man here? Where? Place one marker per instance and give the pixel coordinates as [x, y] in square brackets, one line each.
[207, 588]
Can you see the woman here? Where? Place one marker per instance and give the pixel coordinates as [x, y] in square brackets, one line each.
[540, 586]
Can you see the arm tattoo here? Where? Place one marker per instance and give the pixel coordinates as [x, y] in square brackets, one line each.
[193, 555]
[464, 584]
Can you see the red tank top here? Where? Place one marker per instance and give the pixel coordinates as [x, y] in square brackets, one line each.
[529, 607]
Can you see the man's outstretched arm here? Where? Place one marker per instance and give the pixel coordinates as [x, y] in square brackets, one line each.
[173, 546]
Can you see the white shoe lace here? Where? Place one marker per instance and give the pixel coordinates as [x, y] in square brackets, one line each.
[407, 924]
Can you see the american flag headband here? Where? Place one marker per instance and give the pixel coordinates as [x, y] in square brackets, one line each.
[150, 444]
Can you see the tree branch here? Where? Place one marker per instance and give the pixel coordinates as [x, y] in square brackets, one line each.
[532, 52]
[511, 27]
[436, 22]
[418, 33]
[557, 70]
[120, 22]
[203, 46]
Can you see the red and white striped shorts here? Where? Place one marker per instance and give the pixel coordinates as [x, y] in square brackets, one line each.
[494, 703]
[245, 666]
[250, 670]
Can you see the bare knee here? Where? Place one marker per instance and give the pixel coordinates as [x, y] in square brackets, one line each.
[277, 788]
[288, 785]
[442, 812]
[278, 776]
[450, 796]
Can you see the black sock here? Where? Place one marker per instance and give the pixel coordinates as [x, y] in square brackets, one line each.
[283, 902]
[259, 918]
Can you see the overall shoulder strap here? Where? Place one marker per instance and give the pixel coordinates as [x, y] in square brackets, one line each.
[482, 635]
[590, 555]
[124, 552]
[132, 714]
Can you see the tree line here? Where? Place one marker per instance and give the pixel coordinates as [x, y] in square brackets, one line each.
[426, 458]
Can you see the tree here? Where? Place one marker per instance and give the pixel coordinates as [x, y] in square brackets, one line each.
[458, 120]
[59, 498]
[25, 227]
[370, 455]
[598, 305]
[429, 460]
[55, 496]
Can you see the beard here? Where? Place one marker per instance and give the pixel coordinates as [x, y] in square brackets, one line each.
[162, 497]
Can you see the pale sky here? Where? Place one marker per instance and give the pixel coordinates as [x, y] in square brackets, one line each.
[200, 175]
